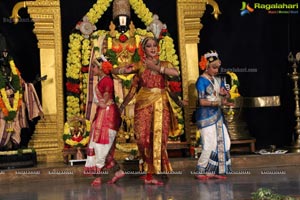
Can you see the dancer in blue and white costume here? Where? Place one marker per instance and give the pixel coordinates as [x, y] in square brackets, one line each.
[214, 161]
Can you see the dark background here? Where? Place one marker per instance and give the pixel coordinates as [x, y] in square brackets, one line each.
[259, 41]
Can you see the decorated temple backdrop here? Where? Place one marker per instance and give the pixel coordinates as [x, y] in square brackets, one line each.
[258, 40]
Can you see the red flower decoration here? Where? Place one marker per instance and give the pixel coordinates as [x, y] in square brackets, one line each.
[163, 33]
[106, 67]
[175, 86]
[77, 139]
[203, 63]
[131, 48]
[117, 49]
[164, 30]
[73, 87]
[85, 69]
[123, 38]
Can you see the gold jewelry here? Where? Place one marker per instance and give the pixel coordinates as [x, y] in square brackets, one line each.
[120, 71]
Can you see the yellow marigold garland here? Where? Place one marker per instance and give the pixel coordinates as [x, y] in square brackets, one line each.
[142, 11]
[74, 56]
[73, 71]
[97, 10]
[9, 111]
[85, 52]
[73, 107]
[234, 85]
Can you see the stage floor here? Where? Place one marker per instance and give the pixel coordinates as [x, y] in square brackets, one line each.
[58, 181]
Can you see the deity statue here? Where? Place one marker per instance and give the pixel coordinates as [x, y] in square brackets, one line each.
[15, 97]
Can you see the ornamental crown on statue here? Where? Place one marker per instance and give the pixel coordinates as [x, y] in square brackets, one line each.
[120, 43]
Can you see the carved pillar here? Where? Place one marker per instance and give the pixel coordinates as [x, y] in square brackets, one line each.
[47, 138]
[189, 13]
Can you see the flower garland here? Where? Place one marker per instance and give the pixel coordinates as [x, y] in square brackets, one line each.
[167, 51]
[97, 10]
[10, 111]
[73, 70]
[74, 56]
[73, 108]
[85, 52]
[142, 11]
[77, 140]
[234, 93]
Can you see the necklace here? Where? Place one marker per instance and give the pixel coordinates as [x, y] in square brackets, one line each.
[10, 111]
[209, 77]
[214, 82]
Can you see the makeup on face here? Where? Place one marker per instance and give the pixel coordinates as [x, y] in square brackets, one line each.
[150, 48]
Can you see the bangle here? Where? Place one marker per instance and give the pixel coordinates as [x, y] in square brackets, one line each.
[109, 102]
[120, 71]
[162, 70]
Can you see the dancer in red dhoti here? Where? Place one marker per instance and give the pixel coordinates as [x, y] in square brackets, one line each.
[105, 125]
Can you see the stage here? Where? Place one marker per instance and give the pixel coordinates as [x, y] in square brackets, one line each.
[280, 173]
[240, 163]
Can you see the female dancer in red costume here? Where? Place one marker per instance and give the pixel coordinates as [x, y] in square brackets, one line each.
[152, 113]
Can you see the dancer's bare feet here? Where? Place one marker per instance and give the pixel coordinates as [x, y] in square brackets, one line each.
[96, 182]
[201, 177]
[119, 174]
[110, 165]
[153, 181]
[220, 177]
[209, 176]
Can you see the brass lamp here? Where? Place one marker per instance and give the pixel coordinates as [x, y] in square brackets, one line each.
[295, 148]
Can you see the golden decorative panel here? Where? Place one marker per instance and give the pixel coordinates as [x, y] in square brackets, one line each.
[189, 13]
[47, 139]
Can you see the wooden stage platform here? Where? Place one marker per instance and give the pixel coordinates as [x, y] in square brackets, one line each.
[186, 164]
